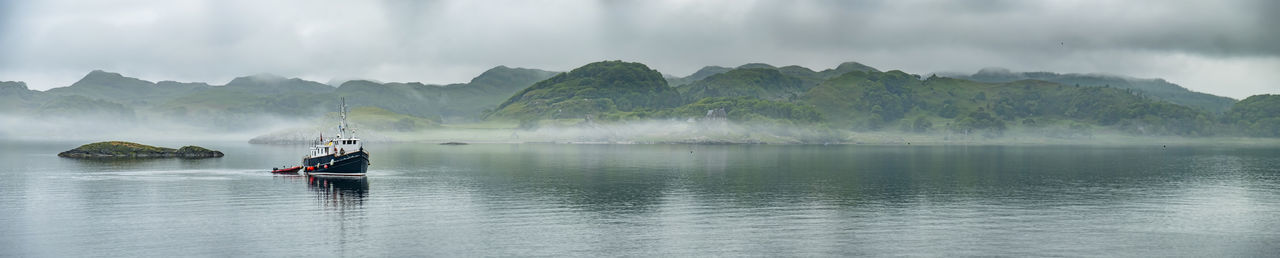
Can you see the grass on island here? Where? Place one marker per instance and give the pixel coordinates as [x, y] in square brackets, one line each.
[121, 147]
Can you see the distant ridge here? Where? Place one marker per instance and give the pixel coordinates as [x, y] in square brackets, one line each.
[1154, 88]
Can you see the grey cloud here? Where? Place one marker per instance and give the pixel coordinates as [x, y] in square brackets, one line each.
[8, 22]
[450, 41]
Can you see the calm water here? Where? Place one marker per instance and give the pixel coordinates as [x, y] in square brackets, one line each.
[642, 200]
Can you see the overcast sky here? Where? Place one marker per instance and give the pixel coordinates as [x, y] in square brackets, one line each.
[1229, 48]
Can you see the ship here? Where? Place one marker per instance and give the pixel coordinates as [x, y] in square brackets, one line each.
[343, 155]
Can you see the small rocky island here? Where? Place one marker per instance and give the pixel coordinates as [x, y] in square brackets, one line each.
[118, 149]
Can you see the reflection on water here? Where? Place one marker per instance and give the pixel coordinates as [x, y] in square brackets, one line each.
[651, 200]
[119, 164]
[339, 192]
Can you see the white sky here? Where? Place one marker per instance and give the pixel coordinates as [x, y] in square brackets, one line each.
[1227, 48]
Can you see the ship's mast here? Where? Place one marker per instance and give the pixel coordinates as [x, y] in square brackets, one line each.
[342, 127]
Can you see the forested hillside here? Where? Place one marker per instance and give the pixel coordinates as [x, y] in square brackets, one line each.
[596, 88]
[872, 101]
[1257, 115]
[1153, 88]
[860, 98]
[751, 82]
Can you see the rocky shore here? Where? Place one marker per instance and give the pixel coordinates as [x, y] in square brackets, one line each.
[119, 149]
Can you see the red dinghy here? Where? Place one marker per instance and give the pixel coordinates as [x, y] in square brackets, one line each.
[287, 170]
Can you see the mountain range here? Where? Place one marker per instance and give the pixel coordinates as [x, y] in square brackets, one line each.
[851, 96]
[105, 94]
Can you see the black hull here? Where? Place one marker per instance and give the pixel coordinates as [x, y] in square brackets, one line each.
[350, 164]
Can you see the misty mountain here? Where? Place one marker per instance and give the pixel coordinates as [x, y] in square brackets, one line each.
[13, 88]
[270, 84]
[490, 88]
[462, 101]
[15, 95]
[851, 96]
[117, 88]
[245, 100]
[275, 95]
[81, 107]
[230, 108]
[415, 99]
[371, 122]
[596, 88]
[1155, 88]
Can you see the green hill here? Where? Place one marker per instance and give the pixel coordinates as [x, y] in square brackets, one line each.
[595, 88]
[845, 67]
[867, 100]
[1154, 88]
[873, 100]
[750, 82]
[808, 76]
[1257, 115]
[706, 71]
